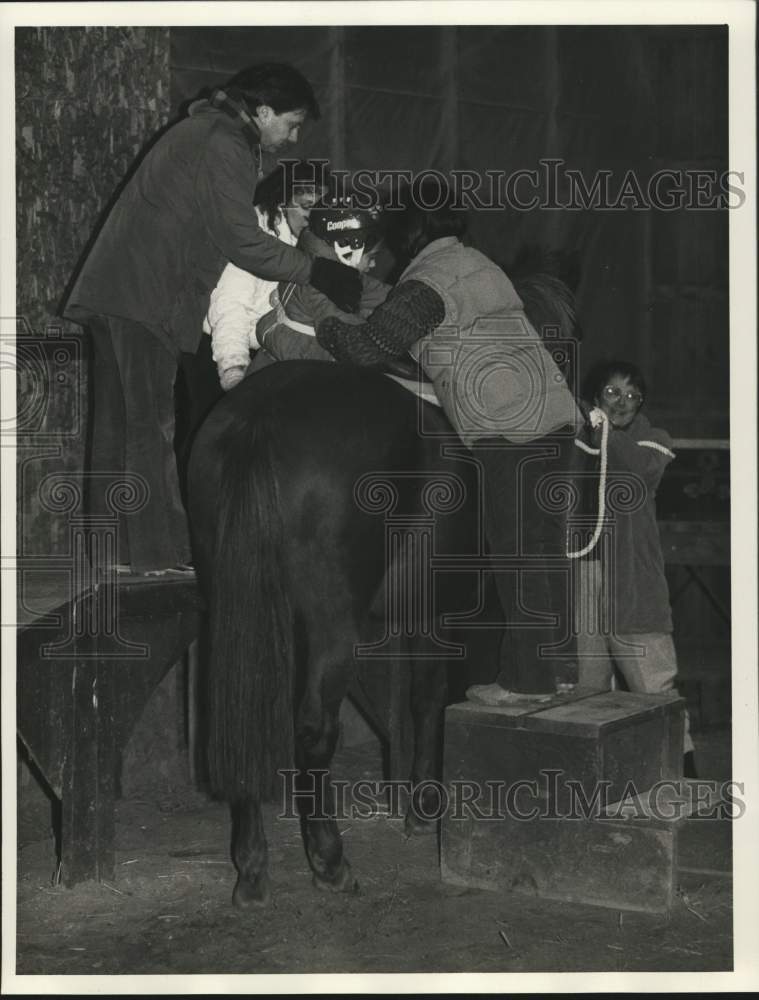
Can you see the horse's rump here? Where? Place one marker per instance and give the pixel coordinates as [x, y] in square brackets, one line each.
[285, 480]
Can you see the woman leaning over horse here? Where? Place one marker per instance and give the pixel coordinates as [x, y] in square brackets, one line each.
[459, 315]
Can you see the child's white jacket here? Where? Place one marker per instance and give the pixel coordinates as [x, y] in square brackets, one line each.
[237, 303]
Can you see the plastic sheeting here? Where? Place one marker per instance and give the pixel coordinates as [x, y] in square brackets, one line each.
[499, 99]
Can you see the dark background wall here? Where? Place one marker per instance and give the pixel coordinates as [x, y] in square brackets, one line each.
[87, 99]
[654, 284]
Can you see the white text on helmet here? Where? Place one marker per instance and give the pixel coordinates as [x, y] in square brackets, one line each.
[343, 224]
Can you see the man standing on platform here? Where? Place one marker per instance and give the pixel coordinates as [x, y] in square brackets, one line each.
[144, 287]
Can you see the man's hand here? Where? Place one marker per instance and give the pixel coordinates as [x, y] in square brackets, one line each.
[340, 283]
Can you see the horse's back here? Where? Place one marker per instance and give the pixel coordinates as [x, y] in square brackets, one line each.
[316, 427]
[341, 449]
[306, 402]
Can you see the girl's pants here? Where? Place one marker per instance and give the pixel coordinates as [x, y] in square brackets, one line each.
[646, 660]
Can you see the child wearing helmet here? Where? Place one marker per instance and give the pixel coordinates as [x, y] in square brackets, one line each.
[338, 230]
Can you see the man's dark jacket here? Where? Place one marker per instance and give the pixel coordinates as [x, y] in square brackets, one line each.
[187, 210]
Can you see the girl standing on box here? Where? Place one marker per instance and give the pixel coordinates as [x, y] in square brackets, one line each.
[622, 612]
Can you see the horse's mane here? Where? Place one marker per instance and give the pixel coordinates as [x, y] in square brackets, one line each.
[545, 280]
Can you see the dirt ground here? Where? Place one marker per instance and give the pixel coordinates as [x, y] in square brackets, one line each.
[168, 909]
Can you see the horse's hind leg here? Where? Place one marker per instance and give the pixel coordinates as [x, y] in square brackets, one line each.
[315, 739]
[428, 691]
[250, 854]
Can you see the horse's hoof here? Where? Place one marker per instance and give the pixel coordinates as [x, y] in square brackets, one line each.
[250, 894]
[416, 826]
[342, 882]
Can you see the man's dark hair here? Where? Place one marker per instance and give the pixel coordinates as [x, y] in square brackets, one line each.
[277, 85]
[602, 371]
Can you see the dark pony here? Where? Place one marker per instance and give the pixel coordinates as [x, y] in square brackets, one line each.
[297, 481]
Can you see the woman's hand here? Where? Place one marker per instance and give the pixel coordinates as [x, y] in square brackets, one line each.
[368, 261]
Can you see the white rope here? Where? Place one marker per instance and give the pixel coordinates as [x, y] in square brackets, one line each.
[657, 447]
[597, 417]
[586, 447]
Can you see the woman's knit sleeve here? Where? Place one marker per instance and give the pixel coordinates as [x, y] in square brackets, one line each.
[410, 312]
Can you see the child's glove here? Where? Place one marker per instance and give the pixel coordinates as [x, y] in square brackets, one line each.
[340, 283]
[230, 377]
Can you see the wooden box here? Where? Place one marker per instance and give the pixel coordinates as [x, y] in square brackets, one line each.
[589, 737]
[534, 793]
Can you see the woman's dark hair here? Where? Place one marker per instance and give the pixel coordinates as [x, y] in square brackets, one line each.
[277, 85]
[602, 371]
[428, 214]
[290, 177]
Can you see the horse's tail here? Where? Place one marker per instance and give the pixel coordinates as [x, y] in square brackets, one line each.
[250, 689]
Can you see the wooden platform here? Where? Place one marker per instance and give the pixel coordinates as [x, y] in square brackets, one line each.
[86, 667]
[88, 661]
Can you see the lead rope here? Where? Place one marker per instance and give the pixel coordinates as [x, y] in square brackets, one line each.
[597, 417]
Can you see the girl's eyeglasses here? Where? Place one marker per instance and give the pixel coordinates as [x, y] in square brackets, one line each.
[613, 393]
